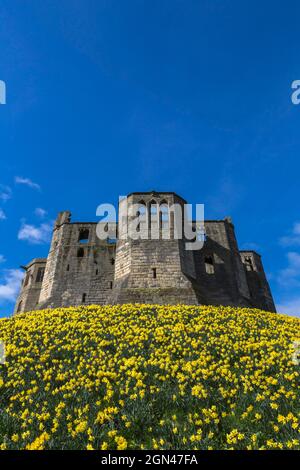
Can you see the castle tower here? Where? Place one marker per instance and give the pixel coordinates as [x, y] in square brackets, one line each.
[220, 272]
[28, 298]
[260, 292]
[80, 267]
[156, 267]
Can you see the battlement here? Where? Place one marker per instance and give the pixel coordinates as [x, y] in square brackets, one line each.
[82, 268]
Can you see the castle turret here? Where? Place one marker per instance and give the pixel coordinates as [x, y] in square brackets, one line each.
[260, 292]
[79, 267]
[28, 298]
[155, 267]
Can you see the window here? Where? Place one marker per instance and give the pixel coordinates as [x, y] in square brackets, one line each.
[153, 210]
[248, 263]
[84, 236]
[68, 267]
[142, 215]
[97, 272]
[112, 261]
[164, 216]
[40, 275]
[154, 273]
[111, 284]
[80, 253]
[154, 220]
[83, 297]
[209, 265]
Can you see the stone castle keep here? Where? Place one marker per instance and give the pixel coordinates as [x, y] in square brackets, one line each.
[83, 269]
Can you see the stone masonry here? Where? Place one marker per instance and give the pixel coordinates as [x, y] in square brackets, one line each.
[81, 269]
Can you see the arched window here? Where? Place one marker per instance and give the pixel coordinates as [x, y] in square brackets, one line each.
[142, 215]
[164, 219]
[209, 265]
[154, 220]
[80, 253]
[83, 236]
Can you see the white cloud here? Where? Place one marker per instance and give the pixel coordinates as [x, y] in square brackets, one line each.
[10, 284]
[35, 234]
[2, 259]
[293, 239]
[39, 212]
[2, 214]
[290, 276]
[5, 193]
[27, 182]
[291, 307]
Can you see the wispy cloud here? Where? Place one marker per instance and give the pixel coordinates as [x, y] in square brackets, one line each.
[39, 212]
[28, 182]
[35, 234]
[2, 259]
[5, 193]
[10, 284]
[291, 307]
[293, 239]
[2, 214]
[290, 276]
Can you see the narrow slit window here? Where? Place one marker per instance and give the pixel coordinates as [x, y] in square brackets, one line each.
[80, 253]
[83, 297]
[111, 284]
[154, 273]
[68, 267]
[96, 272]
[209, 265]
[112, 261]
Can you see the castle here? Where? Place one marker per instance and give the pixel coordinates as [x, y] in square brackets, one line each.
[83, 269]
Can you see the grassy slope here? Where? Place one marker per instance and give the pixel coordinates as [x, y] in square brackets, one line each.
[149, 377]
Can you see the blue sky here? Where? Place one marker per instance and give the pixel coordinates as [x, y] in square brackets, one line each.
[109, 97]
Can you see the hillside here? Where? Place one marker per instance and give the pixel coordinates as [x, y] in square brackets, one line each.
[141, 376]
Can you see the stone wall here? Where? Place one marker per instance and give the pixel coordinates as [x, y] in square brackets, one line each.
[31, 286]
